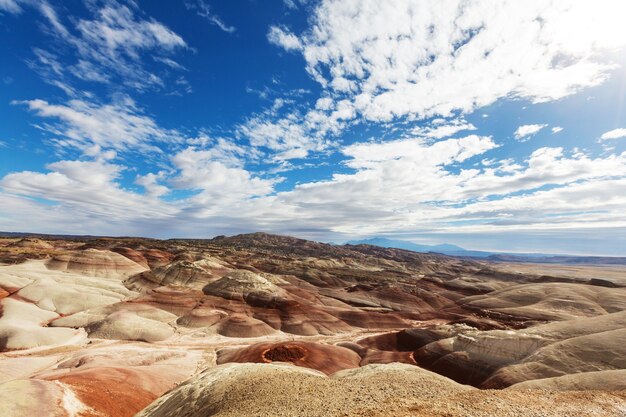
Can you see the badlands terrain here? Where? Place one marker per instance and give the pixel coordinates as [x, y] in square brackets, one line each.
[269, 325]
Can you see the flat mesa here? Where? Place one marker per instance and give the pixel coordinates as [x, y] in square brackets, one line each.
[271, 325]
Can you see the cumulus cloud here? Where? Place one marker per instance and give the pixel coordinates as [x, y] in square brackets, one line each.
[410, 184]
[556, 129]
[524, 132]
[213, 178]
[390, 187]
[420, 59]
[283, 38]
[220, 178]
[151, 183]
[545, 166]
[293, 134]
[84, 187]
[411, 58]
[614, 134]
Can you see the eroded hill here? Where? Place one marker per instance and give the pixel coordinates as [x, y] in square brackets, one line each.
[93, 327]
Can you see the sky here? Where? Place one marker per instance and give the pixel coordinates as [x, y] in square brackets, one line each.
[490, 124]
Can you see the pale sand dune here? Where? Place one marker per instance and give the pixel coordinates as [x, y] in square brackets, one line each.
[62, 292]
[240, 284]
[593, 352]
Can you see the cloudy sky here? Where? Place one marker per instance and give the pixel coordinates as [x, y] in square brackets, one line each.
[496, 125]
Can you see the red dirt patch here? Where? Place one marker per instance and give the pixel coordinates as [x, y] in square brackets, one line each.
[113, 398]
[284, 353]
[319, 356]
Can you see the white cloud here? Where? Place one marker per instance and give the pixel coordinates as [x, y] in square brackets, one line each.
[525, 131]
[204, 10]
[109, 48]
[50, 14]
[150, 183]
[116, 30]
[119, 125]
[88, 71]
[84, 187]
[293, 135]
[545, 166]
[556, 129]
[294, 4]
[392, 181]
[283, 38]
[170, 63]
[441, 128]
[587, 204]
[219, 176]
[406, 186]
[399, 186]
[614, 134]
[290, 4]
[10, 6]
[409, 58]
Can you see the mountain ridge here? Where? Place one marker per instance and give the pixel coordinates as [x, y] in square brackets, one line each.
[454, 250]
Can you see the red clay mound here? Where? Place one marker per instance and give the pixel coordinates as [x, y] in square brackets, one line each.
[322, 357]
[131, 254]
[240, 325]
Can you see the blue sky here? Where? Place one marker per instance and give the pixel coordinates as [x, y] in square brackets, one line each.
[333, 120]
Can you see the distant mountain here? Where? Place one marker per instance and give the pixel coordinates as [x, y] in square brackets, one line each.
[453, 250]
[446, 249]
[559, 259]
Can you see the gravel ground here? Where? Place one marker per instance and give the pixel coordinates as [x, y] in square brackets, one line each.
[374, 390]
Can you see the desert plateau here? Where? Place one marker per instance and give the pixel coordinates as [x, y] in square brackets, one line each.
[261, 324]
